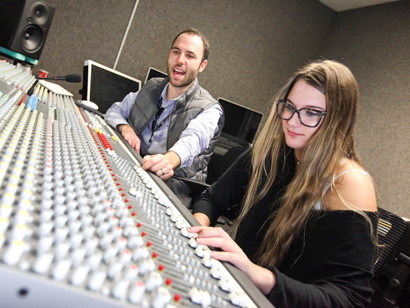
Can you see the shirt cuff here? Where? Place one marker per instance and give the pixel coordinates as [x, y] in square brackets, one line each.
[183, 154]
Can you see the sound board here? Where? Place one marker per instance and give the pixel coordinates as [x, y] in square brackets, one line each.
[82, 225]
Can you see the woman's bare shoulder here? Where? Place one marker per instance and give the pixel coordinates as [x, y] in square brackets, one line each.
[354, 189]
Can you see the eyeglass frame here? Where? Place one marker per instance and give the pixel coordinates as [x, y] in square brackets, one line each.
[322, 113]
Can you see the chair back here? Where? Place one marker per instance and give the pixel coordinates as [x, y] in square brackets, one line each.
[391, 271]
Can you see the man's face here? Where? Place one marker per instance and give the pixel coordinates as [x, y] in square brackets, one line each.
[185, 60]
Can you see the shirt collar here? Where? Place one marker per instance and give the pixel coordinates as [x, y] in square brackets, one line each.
[164, 97]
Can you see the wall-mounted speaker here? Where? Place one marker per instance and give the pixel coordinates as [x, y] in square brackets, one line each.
[24, 26]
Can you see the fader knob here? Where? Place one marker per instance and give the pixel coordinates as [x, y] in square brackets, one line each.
[162, 298]
[154, 281]
[137, 292]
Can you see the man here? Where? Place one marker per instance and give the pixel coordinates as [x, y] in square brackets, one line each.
[173, 122]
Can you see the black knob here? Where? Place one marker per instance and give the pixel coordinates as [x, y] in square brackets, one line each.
[394, 283]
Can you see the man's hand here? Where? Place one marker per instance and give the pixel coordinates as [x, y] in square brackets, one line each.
[162, 165]
[130, 136]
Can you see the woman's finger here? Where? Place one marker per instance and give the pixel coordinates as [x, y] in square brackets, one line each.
[209, 231]
[221, 243]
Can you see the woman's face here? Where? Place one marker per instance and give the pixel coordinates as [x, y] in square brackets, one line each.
[302, 95]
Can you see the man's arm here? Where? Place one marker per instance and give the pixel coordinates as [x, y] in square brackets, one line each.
[130, 136]
[196, 137]
[117, 116]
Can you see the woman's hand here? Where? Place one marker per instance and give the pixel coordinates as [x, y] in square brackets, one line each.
[263, 278]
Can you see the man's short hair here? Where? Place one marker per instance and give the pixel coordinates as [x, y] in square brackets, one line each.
[203, 38]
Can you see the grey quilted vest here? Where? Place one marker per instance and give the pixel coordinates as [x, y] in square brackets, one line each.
[187, 107]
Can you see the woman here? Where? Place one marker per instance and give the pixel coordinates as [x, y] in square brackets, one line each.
[305, 209]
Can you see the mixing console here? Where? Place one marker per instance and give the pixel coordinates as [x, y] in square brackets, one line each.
[81, 224]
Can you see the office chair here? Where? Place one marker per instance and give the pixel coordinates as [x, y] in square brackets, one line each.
[220, 163]
[391, 272]
[216, 167]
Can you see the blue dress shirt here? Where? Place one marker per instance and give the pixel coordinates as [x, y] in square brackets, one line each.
[194, 139]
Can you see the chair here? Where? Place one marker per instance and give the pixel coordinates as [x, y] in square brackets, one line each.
[220, 163]
[216, 167]
[391, 272]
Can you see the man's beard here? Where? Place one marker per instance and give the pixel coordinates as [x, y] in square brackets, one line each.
[188, 79]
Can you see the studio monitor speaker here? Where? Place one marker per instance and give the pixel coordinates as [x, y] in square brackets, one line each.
[24, 25]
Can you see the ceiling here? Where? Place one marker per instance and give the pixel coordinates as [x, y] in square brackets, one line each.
[344, 5]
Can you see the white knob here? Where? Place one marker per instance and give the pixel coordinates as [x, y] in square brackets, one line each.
[114, 269]
[137, 292]
[79, 275]
[120, 288]
[185, 233]
[96, 281]
[4, 224]
[131, 273]
[60, 234]
[241, 300]
[61, 269]
[5, 210]
[135, 240]
[154, 280]
[62, 249]
[193, 243]
[19, 232]
[44, 244]
[110, 253]
[43, 262]
[91, 245]
[200, 297]
[14, 252]
[162, 298]
[147, 266]
[78, 255]
[125, 257]
[94, 260]
[140, 253]
[76, 240]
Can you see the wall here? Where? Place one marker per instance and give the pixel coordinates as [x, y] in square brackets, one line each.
[375, 43]
[255, 45]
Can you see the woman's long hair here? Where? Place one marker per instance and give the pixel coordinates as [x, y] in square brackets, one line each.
[323, 155]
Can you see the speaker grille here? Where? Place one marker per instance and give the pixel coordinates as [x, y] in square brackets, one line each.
[39, 13]
[31, 38]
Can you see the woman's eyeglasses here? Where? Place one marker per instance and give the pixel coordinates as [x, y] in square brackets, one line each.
[307, 116]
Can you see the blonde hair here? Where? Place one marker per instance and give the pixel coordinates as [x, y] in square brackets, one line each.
[333, 142]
